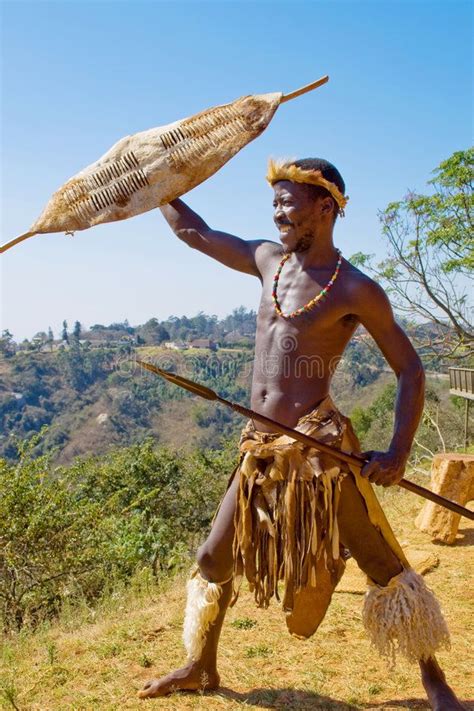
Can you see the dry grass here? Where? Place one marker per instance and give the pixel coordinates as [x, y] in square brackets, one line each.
[97, 661]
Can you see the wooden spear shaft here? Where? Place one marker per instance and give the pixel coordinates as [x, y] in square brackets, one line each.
[304, 89]
[350, 457]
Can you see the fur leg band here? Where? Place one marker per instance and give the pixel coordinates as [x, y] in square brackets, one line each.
[404, 616]
[202, 609]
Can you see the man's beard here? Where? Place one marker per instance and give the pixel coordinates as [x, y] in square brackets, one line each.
[304, 243]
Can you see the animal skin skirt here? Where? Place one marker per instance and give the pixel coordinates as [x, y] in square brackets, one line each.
[286, 528]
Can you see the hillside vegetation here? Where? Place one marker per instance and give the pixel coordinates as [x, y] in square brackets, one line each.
[89, 391]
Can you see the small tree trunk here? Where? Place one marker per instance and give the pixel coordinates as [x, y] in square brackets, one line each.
[452, 476]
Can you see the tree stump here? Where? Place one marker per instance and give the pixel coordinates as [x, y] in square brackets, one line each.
[452, 476]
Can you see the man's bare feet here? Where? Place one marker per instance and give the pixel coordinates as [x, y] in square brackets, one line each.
[189, 678]
[440, 695]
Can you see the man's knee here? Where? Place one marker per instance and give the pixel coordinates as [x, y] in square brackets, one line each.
[211, 568]
[379, 565]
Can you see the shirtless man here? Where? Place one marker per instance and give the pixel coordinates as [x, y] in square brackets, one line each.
[305, 215]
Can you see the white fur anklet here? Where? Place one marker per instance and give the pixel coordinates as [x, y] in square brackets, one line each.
[202, 609]
[404, 616]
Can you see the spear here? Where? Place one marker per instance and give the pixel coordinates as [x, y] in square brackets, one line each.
[356, 460]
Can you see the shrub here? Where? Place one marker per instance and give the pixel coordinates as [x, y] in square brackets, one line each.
[68, 533]
[50, 543]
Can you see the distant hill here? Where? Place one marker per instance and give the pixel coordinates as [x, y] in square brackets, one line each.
[88, 390]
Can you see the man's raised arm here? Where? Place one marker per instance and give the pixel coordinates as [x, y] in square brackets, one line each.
[375, 313]
[236, 253]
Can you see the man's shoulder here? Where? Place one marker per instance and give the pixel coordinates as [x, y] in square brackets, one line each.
[359, 281]
[360, 286]
[266, 245]
[265, 250]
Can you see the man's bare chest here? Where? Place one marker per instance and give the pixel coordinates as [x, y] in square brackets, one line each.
[326, 328]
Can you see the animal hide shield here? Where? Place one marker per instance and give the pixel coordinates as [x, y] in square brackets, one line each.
[153, 167]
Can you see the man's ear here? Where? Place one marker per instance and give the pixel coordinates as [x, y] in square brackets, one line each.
[327, 206]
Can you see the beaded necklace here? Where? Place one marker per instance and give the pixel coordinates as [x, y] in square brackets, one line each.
[307, 307]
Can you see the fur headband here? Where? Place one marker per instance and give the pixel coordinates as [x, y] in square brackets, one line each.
[285, 170]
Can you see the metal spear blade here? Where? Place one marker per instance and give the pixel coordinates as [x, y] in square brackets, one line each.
[194, 388]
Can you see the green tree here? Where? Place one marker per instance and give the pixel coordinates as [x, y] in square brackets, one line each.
[374, 425]
[153, 332]
[50, 338]
[431, 257]
[7, 345]
[64, 333]
[77, 331]
[39, 339]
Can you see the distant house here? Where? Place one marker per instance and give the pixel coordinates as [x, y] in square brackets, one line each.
[102, 336]
[238, 337]
[203, 343]
[176, 345]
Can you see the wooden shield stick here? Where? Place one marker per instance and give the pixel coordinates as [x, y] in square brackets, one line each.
[350, 457]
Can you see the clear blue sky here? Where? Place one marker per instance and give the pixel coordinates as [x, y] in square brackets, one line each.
[77, 76]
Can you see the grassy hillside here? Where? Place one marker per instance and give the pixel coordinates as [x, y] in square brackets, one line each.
[97, 659]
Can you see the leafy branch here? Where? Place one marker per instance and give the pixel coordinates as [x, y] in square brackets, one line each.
[431, 257]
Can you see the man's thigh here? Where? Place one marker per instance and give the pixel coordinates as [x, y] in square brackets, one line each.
[365, 542]
[214, 557]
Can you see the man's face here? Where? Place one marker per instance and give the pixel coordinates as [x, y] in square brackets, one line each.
[297, 215]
